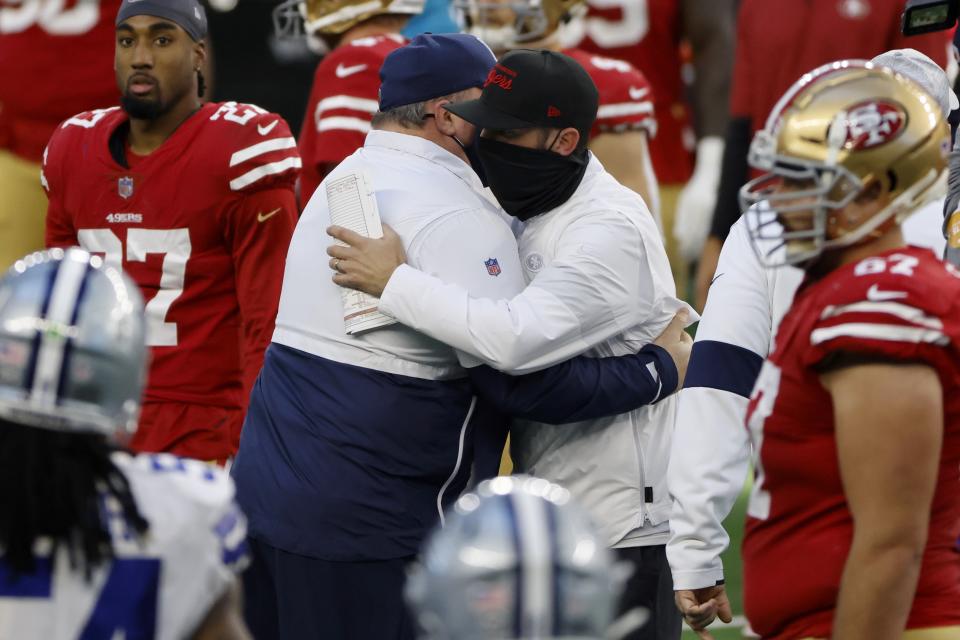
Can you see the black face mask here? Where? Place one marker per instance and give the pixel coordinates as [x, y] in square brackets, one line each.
[528, 182]
[472, 152]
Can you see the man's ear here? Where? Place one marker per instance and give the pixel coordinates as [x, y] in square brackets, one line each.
[443, 118]
[566, 143]
[199, 54]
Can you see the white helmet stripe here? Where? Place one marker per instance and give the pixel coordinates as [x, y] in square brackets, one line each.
[54, 331]
[536, 565]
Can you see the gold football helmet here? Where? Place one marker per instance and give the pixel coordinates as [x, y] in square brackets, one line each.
[507, 24]
[843, 130]
[315, 18]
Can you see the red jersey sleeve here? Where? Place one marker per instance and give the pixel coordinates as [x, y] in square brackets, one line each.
[900, 306]
[60, 231]
[741, 95]
[262, 170]
[626, 96]
[258, 229]
[264, 152]
[342, 102]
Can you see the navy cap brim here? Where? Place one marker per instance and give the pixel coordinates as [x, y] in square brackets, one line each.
[485, 117]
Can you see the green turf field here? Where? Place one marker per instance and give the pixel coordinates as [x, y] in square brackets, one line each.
[733, 574]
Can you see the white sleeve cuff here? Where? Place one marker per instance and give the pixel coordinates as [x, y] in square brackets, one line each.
[697, 579]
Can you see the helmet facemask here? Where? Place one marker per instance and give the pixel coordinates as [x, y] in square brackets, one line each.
[513, 23]
[788, 209]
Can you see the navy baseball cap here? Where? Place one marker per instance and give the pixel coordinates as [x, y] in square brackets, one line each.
[433, 65]
[188, 14]
[534, 88]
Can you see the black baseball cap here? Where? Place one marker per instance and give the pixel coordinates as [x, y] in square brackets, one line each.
[534, 88]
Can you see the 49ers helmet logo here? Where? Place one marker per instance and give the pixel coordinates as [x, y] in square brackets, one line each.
[873, 123]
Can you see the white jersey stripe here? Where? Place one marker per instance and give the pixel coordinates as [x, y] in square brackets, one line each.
[902, 311]
[887, 332]
[275, 144]
[347, 102]
[624, 109]
[265, 170]
[343, 122]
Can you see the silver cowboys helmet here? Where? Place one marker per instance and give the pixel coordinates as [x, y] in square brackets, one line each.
[516, 559]
[72, 350]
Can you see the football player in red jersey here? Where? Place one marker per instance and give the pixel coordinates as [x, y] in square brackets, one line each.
[778, 40]
[855, 417]
[36, 38]
[196, 202]
[650, 34]
[359, 35]
[625, 120]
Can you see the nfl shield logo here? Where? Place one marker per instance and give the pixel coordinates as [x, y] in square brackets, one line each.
[493, 267]
[125, 187]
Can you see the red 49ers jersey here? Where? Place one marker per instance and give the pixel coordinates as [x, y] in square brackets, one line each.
[344, 97]
[202, 225]
[626, 99]
[646, 33]
[56, 58]
[902, 305]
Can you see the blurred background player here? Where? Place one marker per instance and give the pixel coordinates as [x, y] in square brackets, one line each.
[197, 203]
[55, 60]
[653, 35]
[94, 542]
[516, 559]
[625, 119]
[854, 419]
[356, 36]
[778, 41]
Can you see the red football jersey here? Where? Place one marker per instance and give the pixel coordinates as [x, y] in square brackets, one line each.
[646, 33]
[202, 225]
[344, 97]
[902, 305]
[56, 59]
[773, 52]
[626, 99]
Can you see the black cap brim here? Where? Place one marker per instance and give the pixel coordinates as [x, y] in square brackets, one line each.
[483, 116]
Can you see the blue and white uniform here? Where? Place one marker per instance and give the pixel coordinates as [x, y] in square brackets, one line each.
[161, 586]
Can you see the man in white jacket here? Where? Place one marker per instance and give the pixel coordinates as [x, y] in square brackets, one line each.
[711, 450]
[598, 283]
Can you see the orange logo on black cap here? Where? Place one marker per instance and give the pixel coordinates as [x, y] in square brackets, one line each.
[553, 112]
[501, 76]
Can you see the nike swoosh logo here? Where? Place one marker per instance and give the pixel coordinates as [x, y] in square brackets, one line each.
[262, 217]
[874, 293]
[264, 130]
[343, 72]
[636, 94]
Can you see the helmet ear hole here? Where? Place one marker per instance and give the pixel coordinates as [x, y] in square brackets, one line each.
[873, 188]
